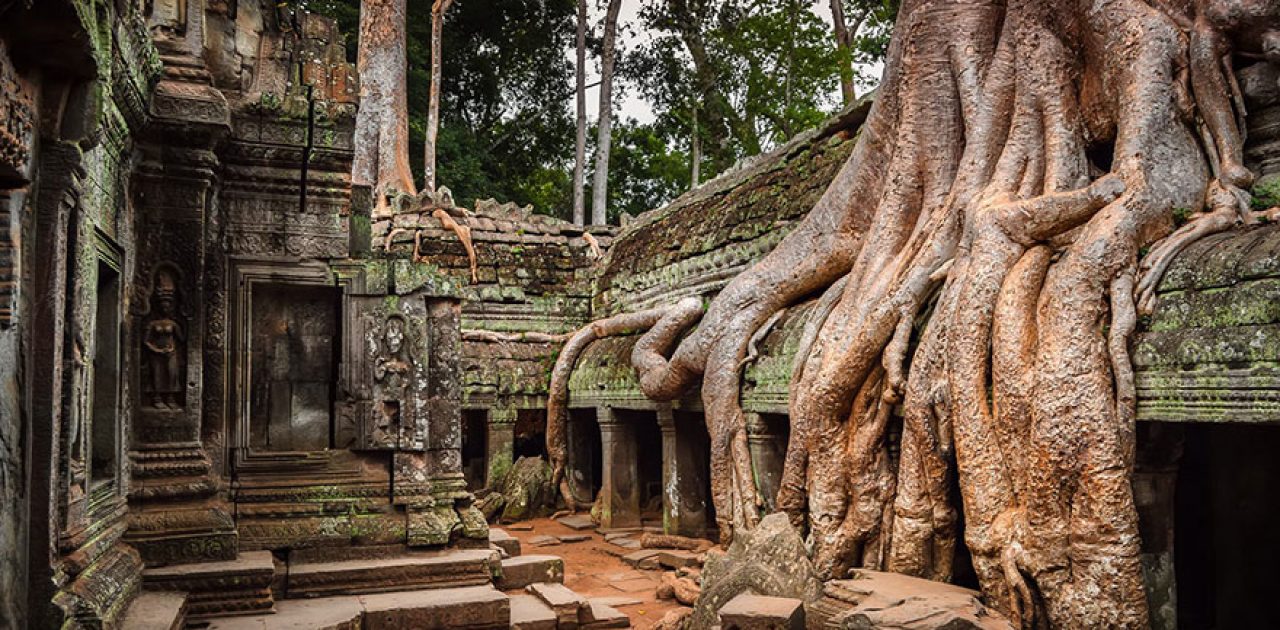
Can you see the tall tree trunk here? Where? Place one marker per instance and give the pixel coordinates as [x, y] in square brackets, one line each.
[600, 183]
[580, 148]
[844, 44]
[695, 152]
[382, 123]
[438, 9]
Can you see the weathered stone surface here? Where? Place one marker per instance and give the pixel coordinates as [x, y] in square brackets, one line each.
[642, 559]
[544, 540]
[768, 560]
[529, 613]
[678, 559]
[875, 599]
[526, 490]
[577, 521]
[517, 573]
[469, 567]
[760, 612]
[574, 538]
[329, 613]
[597, 614]
[505, 541]
[469, 607]
[156, 610]
[239, 586]
[560, 599]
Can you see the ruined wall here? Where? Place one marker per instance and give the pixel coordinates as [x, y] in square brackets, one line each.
[533, 274]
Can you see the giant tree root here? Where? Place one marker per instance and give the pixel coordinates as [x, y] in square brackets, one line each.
[463, 233]
[558, 390]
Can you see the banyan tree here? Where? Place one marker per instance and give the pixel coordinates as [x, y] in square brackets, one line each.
[981, 260]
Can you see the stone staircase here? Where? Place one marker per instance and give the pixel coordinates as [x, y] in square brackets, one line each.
[379, 589]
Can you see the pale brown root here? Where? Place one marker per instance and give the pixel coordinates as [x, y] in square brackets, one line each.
[753, 346]
[386, 242]
[463, 233]
[1224, 213]
[558, 390]
[682, 589]
[491, 336]
[673, 541]
[1124, 320]
[592, 244]
[647, 355]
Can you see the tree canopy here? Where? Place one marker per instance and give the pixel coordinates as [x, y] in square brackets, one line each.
[759, 71]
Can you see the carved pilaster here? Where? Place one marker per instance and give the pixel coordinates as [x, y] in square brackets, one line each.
[500, 444]
[768, 446]
[178, 325]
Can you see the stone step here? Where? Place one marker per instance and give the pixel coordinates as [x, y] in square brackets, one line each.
[529, 613]
[469, 607]
[424, 570]
[230, 587]
[503, 540]
[565, 603]
[522, 571]
[156, 610]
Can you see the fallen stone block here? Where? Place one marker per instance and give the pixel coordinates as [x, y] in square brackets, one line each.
[520, 572]
[625, 543]
[760, 612]
[544, 541]
[508, 543]
[616, 602]
[576, 521]
[598, 615]
[574, 538]
[560, 599]
[642, 559]
[678, 559]
[468, 607]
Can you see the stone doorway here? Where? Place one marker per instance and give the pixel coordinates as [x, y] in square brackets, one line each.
[475, 447]
[294, 341]
[1225, 515]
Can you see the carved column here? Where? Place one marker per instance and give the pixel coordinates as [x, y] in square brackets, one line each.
[620, 491]
[178, 322]
[768, 452]
[501, 444]
[1155, 478]
[684, 475]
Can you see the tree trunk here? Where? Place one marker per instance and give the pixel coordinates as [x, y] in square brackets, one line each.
[438, 9]
[580, 148]
[600, 183]
[970, 199]
[844, 41]
[382, 123]
[695, 152]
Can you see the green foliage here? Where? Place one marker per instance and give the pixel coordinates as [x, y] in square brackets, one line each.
[1266, 194]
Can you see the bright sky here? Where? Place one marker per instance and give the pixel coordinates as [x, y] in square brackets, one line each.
[633, 105]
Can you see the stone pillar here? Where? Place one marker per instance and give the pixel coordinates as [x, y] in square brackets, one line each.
[620, 492]
[684, 476]
[177, 513]
[768, 452]
[1155, 478]
[501, 444]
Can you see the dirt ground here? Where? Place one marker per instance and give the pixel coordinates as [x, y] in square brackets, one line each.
[593, 573]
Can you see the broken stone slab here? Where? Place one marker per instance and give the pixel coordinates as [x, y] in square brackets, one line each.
[529, 613]
[876, 599]
[459, 567]
[577, 522]
[678, 559]
[519, 527]
[625, 543]
[633, 585]
[574, 538]
[156, 610]
[599, 615]
[560, 599]
[504, 541]
[642, 557]
[520, 572]
[326, 613]
[544, 540]
[761, 612]
[612, 536]
[628, 531]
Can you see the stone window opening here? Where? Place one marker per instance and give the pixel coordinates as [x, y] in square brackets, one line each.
[105, 420]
